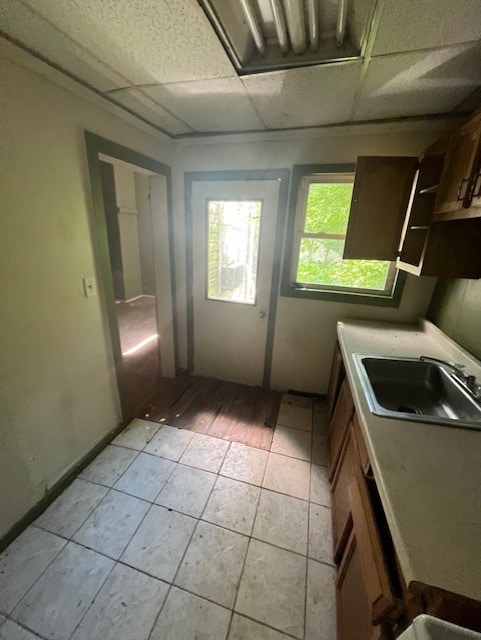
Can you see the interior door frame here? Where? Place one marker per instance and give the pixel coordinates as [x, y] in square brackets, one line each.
[95, 145]
[190, 177]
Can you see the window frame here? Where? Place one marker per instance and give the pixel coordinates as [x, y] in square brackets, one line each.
[295, 232]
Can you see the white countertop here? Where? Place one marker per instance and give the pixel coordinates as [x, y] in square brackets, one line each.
[428, 475]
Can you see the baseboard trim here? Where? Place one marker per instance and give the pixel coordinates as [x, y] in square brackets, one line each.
[58, 487]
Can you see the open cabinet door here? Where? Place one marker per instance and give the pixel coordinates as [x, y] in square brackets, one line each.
[382, 188]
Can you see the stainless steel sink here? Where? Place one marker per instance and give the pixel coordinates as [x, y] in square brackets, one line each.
[417, 390]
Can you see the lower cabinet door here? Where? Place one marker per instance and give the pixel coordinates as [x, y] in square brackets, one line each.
[341, 503]
[382, 600]
[365, 598]
[354, 620]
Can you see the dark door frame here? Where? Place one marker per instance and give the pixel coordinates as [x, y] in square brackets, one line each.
[282, 175]
[94, 145]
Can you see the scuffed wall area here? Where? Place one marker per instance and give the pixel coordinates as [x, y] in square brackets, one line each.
[57, 380]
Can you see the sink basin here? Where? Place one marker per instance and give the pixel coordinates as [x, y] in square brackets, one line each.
[416, 390]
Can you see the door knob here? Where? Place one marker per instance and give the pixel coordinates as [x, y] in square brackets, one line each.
[262, 314]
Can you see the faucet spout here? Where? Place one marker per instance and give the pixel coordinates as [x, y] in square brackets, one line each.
[467, 380]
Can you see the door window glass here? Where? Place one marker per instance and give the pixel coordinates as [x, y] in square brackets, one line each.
[233, 249]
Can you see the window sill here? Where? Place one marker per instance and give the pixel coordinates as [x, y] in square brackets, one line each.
[293, 291]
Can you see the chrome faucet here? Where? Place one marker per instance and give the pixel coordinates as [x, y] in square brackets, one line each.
[467, 380]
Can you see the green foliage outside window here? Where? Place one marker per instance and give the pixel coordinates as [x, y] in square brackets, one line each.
[320, 259]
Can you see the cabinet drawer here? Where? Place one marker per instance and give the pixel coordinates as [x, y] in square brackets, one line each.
[338, 426]
[381, 598]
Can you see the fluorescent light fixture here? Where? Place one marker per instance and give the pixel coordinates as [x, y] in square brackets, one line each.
[265, 35]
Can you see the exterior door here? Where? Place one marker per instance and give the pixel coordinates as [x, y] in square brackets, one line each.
[234, 225]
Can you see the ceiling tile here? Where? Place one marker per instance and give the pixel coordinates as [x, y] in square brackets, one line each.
[305, 97]
[31, 29]
[147, 41]
[407, 25]
[144, 106]
[209, 105]
[419, 83]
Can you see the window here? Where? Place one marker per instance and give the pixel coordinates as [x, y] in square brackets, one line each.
[314, 266]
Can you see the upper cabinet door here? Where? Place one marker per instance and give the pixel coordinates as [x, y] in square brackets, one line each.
[382, 188]
[458, 187]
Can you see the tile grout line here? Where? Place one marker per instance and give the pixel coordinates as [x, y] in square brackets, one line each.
[117, 560]
[309, 521]
[154, 503]
[37, 579]
[121, 474]
[214, 524]
[94, 598]
[172, 584]
[24, 627]
[250, 538]
[199, 519]
[193, 517]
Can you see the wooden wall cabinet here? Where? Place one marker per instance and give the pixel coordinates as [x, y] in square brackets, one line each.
[427, 216]
[458, 195]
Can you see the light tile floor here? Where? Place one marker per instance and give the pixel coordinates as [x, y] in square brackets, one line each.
[170, 535]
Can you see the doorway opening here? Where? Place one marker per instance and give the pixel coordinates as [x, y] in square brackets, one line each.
[133, 230]
[126, 191]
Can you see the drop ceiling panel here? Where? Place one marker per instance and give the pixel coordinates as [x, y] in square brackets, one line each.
[209, 105]
[407, 25]
[31, 29]
[144, 106]
[425, 82]
[146, 41]
[305, 97]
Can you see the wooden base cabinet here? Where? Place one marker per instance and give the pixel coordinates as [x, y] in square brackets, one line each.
[338, 426]
[335, 380]
[373, 600]
[340, 501]
[354, 620]
[367, 603]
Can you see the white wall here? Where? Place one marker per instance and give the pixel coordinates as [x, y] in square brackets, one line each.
[57, 378]
[56, 370]
[129, 230]
[305, 329]
[144, 220]
[163, 282]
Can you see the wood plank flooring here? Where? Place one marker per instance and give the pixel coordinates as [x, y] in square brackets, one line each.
[227, 410]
